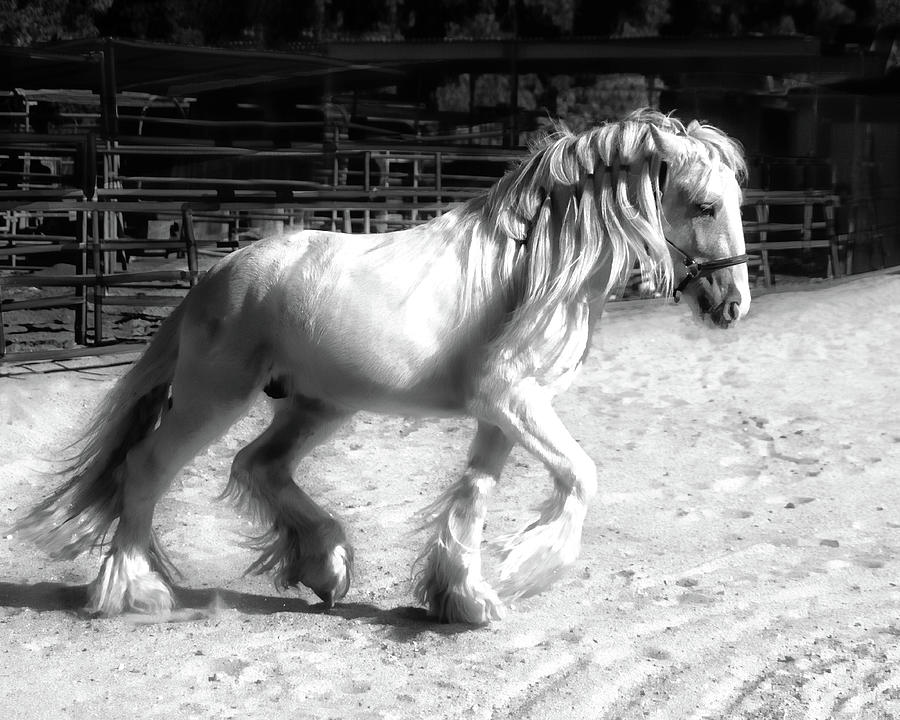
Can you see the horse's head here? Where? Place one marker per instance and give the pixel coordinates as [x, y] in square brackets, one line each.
[701, 216]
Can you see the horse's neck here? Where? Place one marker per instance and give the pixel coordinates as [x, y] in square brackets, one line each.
[568, 340]
[581, 316]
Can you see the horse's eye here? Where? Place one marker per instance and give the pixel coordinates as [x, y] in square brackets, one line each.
[706, 209]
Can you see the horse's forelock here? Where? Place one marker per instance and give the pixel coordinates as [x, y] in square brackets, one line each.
[700, 137]
[719, 145]
[699, 171]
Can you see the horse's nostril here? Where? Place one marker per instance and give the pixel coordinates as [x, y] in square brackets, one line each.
[732, 310]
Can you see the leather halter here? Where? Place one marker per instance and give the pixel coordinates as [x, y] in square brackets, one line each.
[696, 270]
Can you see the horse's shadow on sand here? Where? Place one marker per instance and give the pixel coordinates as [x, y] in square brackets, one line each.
[194, 605]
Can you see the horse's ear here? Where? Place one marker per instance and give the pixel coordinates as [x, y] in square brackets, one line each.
[668, 144]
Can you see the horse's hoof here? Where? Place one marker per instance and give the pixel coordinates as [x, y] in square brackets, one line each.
[127, 584]
[334, 580]
[326, 596]
[478, 605]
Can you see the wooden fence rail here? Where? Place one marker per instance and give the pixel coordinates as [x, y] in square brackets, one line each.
[361, 189]
[814, 228]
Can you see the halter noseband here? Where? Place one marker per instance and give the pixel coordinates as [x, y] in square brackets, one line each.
[696, 270]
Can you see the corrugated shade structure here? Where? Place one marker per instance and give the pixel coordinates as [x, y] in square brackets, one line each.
[176, 70]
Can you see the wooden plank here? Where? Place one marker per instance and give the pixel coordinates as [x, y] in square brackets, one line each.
[43, 303]
[46, 280]
[751, 226]
[788, 245]
[123, 278]
[17, 199]
[180, 150]
[109, 193]
[35, 356]
[110, 245]
[313, 150]
[195, 182]
[301, 201]
[342, 193]
[114, 279]
[18, 237]
[143, 300]
[788, 197]
[19, 250]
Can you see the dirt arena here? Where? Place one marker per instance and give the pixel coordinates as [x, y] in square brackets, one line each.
[742, 559]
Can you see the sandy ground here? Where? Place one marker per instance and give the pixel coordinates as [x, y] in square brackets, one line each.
[742, 559]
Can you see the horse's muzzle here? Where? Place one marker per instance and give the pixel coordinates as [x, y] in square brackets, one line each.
[726, 315]
[727, 312]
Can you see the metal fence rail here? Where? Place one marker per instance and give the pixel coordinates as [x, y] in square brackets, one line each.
[355, 189]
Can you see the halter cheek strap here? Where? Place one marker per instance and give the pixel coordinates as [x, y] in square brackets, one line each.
[696, 270]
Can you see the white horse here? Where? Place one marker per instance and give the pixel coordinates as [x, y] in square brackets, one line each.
[486, 311]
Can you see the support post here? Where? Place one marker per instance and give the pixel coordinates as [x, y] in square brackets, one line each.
[190, 243]
[367, 187]
[99, 288]
[438, 181]
[81, 290]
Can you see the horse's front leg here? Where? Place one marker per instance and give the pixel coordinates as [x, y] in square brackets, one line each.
[450, 582]
[534, 557]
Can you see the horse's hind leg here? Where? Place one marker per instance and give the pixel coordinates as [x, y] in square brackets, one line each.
[132, 576]
[304, 544]
[450, 583]
[534, 557]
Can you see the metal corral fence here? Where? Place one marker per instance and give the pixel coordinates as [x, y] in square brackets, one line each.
[82, 204]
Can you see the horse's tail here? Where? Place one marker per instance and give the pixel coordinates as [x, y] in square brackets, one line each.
[78, 515]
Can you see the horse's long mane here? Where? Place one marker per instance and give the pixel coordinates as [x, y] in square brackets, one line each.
[582, 200]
